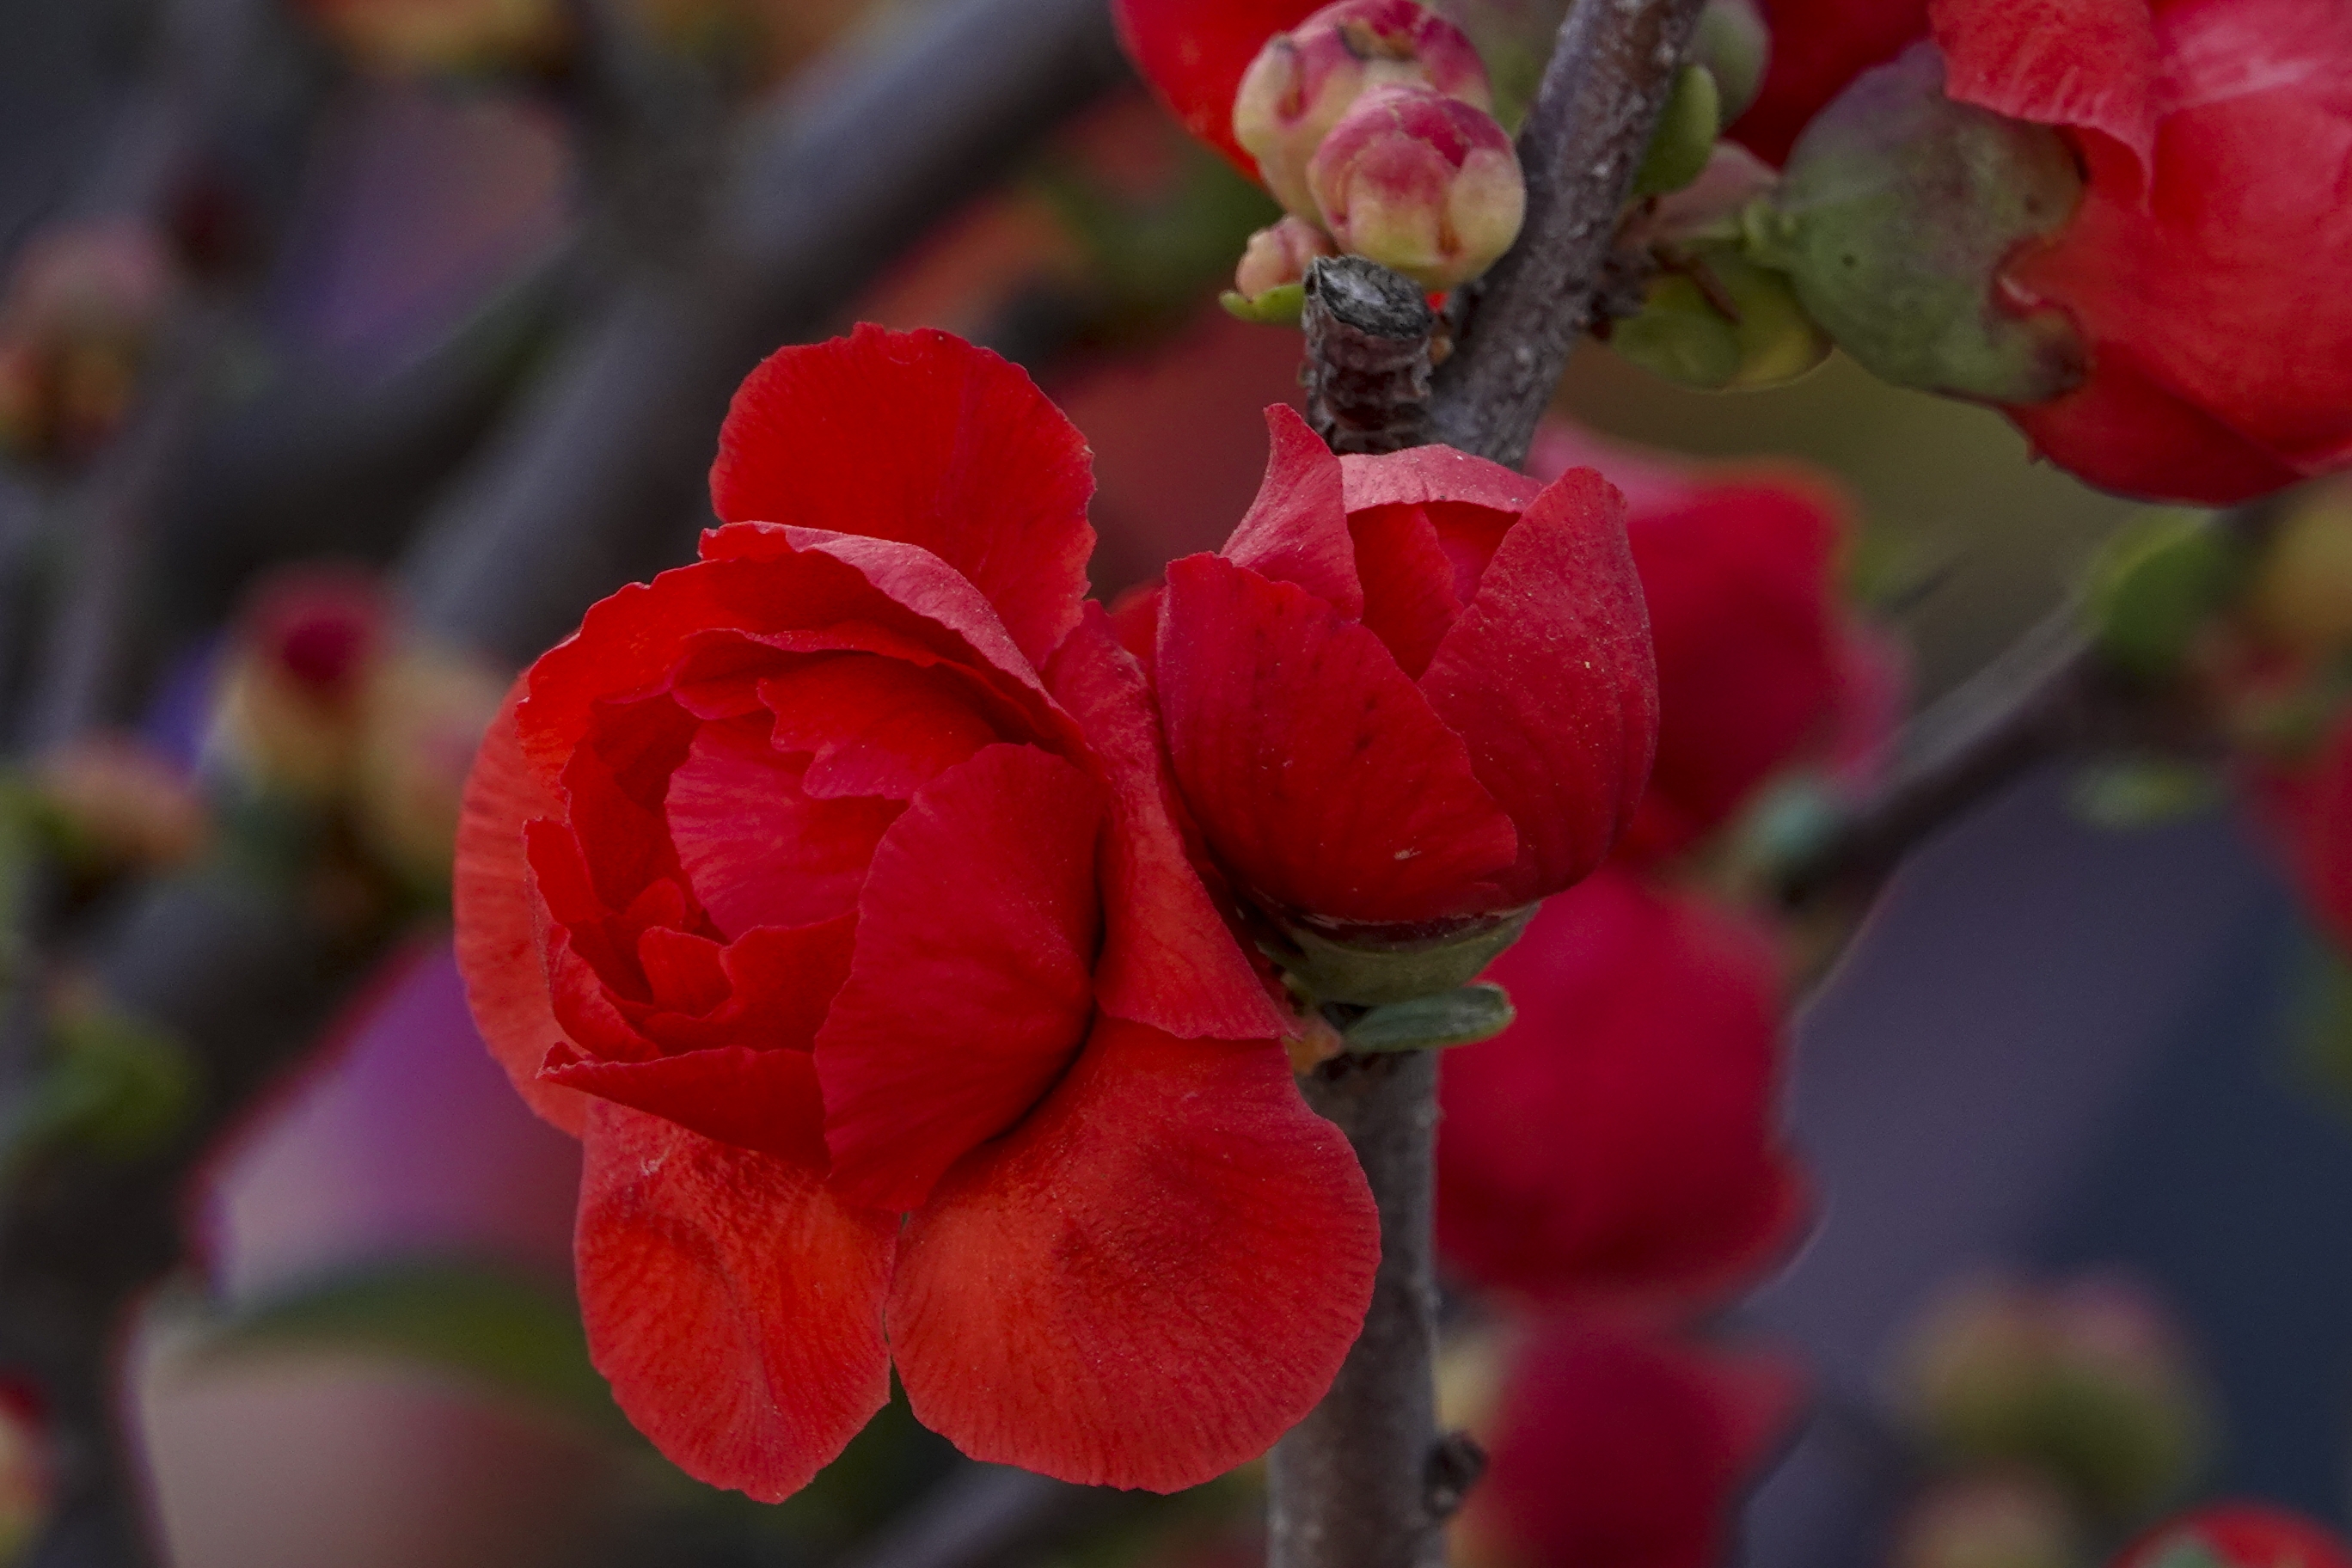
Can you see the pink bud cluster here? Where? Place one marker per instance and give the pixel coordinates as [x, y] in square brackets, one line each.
[1371, 122]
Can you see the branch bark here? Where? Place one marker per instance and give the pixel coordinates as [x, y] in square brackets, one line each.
[1592, 121]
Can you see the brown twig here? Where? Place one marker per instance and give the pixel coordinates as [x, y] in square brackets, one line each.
[1592, 118]
[1367, 356]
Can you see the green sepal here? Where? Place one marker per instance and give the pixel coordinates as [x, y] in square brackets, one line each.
[1374, 968]
[2154, 588]
[1458, 1017]
[1684, 138]
[1279, 306]
[1683, 334]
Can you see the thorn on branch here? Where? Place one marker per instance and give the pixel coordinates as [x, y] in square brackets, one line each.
[1455, 1464]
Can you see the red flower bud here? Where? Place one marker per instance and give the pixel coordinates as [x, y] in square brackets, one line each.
[1620, 1143]
[2238, 1536]
[289, 710]
[1427, 184]
[1617, 1449]
[1304, 81]
[840, 872]
[1414, 692]
[1279, 256]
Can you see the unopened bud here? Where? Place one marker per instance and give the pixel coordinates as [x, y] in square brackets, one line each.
[419, 36]
[1305, 80]
[1721, 322]
[1425, 184]
[2005, 1519]
[1270, 283]
[2088, 1382]
[288, 716]
[1685, 138]
[1894, 216]
[80, 313]
[1736, 47]
[115, 804]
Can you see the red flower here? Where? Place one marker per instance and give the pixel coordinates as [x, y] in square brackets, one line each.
[2204, 267]
[1616, 1449]
[1758, 660]
[2239, 1535]
[1818, 47]
[1620, 1143]
[1193, 53]
[2307, 805]
[1411, 688]
[829, 889]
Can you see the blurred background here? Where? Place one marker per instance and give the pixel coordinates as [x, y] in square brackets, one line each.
[350, 348]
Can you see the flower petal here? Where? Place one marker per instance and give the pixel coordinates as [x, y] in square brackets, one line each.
[1193, 53]
[1318, 772]
[1148, 1282]
[1549, 678]
[1168, 959]
[2088, 63]
[969, 991]
[923, 438]
[1421, 475]
[497, 938]
[1296, 529]
[733, 1303]
[762, 1100]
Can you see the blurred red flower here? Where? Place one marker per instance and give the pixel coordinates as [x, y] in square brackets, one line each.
[1619, 1449]
[2239, 1535]
[1193, 54]
[833, 880]
[1818, 47]
[1620, 1144]
[1412, 688]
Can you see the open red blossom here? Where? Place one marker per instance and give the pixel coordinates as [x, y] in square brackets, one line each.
[829, 889]
[1759, 662]
[1194, 53]
[1620, 1449]
[1620, 1143]
[1411, 688]
[2238, 1536]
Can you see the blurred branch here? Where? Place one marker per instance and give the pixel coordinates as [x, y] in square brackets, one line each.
[1582, 143]
[983, 1513]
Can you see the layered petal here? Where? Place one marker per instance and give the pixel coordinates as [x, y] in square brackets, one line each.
[733, 1303]
[497, 937]
[925, 439]
[1548, 677]
[1296, 529]
[1168, 958]
[965, 1000]
[1318, 772]
[1193, 53]
[2091, 64]
[1149, 1280]
[762, 1101]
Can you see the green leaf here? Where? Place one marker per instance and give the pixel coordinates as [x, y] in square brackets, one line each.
[485, 1323]
[1458, 1017]
[2156, 585]
[1280, 306]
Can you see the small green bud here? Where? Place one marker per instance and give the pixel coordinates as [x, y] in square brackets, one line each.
[2156, 585]
[1684, 138]
[1894, 218]
[1722, 323]
[1736, 47]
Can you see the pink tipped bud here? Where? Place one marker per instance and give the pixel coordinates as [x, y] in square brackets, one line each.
[305, 651]
[115, 804]
[81, 312]
[1279, 256]
[1304, 81]
[423, 717]
[1424, 183]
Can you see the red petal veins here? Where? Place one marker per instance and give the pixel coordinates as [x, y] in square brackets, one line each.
[756, 848]
[1318, 772]
[970, 988]
[1409, 601]
[1168, 959]
[1549, 679]
[1421, 475]
[1296, 529]
[733, 1303]
[1149, 1280]
[922, 438]
[1194, 52]
[2088, 63]
[762, 1100]
[871, 726]
[498, 939]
